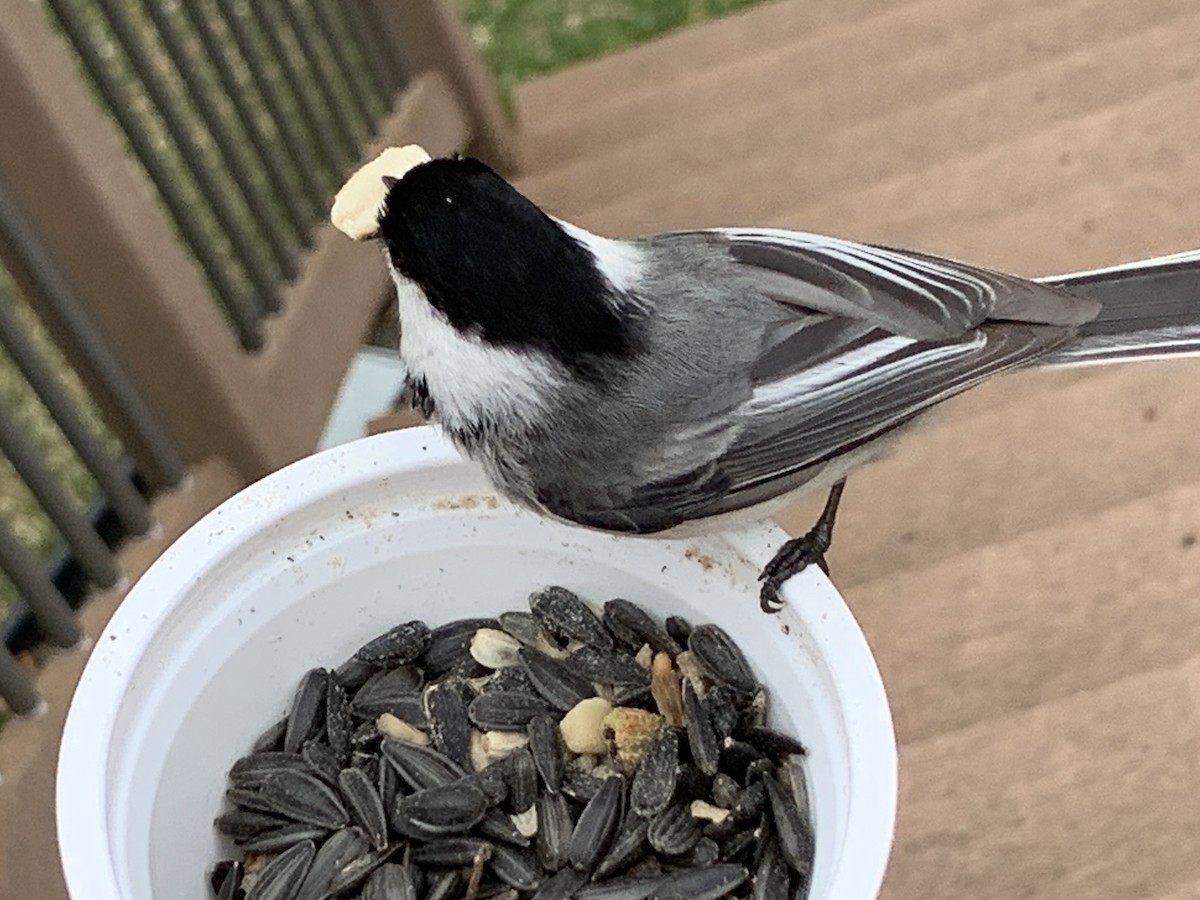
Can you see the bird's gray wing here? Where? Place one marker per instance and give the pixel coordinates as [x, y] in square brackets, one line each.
[867, 338]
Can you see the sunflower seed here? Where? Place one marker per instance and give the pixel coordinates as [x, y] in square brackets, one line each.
[307, 714]
[396, 691]
[302, 797]
[522, 781]
[750, 802]
[505, 710]
[633, 626]
[283, 875]
[524, 626]
[555, 828]
[633, 695]
[358, 870]
[770, 880]
[701, 739]
[445, 885]
[323, 762]
[337, 719]
[558, 683]
[368, 764]
[736, 758]
[514, 867]
[230, 882]
[500, 827]
[282, 838]
[250, 799]
[725, 790]
[738, 844]
[757, 768]
[679, 628]
[353, 673]
[701, 884]
[272, 738]
[627, 848]
[510, 679]
[421, 767]
[673, 831]
[546, 746]
[447, 852]
[561, 885]
[794, 833]
[244, 824]
[364, 804]
[494, 648]
[720, 702]
[791, 776]
[607, 667]
[365, 738]
[449, 729]
[721, 658]
[628, 888]
[391, 881]
[654, 781]
[493, 781]
[449, 645]
[450, 809]
[342, 847]
[597, 822]
[252, 770]
[770, 742]
[562, 612]
[705, 853]
[581, 786]
[397, 647]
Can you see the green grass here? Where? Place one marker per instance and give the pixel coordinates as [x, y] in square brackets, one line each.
[524, 38]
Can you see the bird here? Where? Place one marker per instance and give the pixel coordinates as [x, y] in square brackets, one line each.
[681, 382]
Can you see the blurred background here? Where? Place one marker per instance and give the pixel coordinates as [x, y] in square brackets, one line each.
[177, 320]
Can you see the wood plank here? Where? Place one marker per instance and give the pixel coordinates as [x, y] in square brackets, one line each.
[800, 162]
[1087, 798]
[553, 103]
[783, 103]
[1062, 607]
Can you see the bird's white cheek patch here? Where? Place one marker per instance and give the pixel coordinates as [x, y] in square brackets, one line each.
[470, 381]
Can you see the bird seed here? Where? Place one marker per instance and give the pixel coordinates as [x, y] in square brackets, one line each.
[556, 754]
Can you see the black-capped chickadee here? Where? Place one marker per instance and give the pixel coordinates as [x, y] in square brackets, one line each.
[675, 380]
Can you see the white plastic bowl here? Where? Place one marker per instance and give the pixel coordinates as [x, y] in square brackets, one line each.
[302, 567]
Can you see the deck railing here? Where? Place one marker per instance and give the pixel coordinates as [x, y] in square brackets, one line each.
[169, 290]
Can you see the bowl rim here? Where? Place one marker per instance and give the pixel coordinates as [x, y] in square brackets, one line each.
[82, 825]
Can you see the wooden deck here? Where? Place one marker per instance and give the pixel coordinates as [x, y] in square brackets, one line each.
[1027, 569]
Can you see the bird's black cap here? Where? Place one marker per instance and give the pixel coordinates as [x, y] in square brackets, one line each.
[497, 266]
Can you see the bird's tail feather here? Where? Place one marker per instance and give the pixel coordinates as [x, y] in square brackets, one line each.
[1148, 309]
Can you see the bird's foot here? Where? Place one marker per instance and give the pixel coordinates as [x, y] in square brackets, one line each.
[798, 554]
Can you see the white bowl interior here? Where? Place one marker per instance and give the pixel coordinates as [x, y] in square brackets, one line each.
[301, 569]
